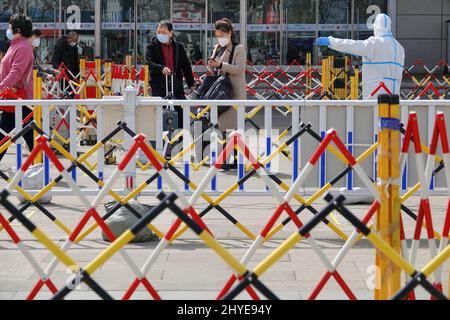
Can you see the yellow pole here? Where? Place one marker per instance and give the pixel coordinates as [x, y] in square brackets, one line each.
[37, 110]
[308, 70]
[325, 83]
[98, 75]
[354, 91]
[394, 192]
[388, 215]
[108, 77]
[382, 222]
[128, 64]
[82, 76]
[146, 79]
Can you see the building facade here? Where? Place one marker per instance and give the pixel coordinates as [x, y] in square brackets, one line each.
[281, 30]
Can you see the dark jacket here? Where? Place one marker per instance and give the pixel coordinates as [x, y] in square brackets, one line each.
[182, 68]
[63, 52]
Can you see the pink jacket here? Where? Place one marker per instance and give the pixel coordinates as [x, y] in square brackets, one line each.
[16, 68]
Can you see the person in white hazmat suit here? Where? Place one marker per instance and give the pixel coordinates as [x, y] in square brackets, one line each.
[382, 55]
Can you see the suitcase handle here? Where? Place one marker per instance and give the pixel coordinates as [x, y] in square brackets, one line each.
[170, 95]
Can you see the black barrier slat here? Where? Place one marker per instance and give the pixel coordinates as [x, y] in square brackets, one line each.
[244, 282]
[349, 216]
[264, 290]
[30, 226]
[306, 229]
[430, 288]
[166, 201]
[183, 216]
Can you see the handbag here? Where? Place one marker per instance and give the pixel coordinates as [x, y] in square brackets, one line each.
[9, 94]
[217, 87]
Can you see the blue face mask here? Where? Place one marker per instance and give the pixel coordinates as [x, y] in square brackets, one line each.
[9, 34]
[162, 38]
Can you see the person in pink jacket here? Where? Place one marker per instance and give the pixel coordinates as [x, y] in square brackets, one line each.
[16, 73]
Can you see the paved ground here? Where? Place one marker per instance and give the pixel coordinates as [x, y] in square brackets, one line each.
[190, 270]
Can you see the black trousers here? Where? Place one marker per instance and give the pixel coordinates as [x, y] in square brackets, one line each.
[7, 124]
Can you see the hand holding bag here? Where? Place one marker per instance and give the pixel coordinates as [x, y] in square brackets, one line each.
[217, 87]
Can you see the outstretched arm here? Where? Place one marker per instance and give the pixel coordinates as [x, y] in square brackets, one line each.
[354, 47]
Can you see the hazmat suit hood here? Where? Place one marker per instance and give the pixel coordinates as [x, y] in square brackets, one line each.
[382, 25]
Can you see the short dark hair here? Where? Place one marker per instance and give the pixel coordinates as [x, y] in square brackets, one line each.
[21, 24]
[166, 24]
[36, 32]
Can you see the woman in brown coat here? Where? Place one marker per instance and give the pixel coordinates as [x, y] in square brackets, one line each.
[236, 70]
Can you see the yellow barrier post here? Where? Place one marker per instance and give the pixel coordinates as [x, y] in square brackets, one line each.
[37, 110]
[340, 78]
[394, 191]
[146, 79]
[82, 77]
[108, 77]
[354, 90]
[98, 75]
[388, 216]
[308, 70]
[325, 76]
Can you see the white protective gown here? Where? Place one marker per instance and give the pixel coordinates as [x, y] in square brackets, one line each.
[382, 57]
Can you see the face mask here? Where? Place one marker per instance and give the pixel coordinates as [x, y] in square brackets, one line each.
[163, 38]
[72, 44]
[223, 42]
[36, 42]
[9, 34]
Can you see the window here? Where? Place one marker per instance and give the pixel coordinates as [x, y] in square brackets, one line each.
[264, 36]
[189, 18]
[365, 12]
[299, 32]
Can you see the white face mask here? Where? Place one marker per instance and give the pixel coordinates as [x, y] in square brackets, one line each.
[223, 42]
[36, 42]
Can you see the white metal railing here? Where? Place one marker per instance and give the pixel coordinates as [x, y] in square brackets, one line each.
[355, 121]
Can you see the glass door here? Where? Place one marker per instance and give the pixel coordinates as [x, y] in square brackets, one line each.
[365, 12]
[218, 9]
[190, 26]
[299, 30]
[79, 16]
[117, 29]
[263, 31]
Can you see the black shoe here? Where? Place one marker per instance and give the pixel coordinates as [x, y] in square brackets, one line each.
[229, 166]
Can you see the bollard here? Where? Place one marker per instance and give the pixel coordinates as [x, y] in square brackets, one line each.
[388, 215]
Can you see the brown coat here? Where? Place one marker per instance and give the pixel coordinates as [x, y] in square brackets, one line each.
[236, 71]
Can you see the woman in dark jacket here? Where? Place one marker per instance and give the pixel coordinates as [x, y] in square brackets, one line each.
[165, 57]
